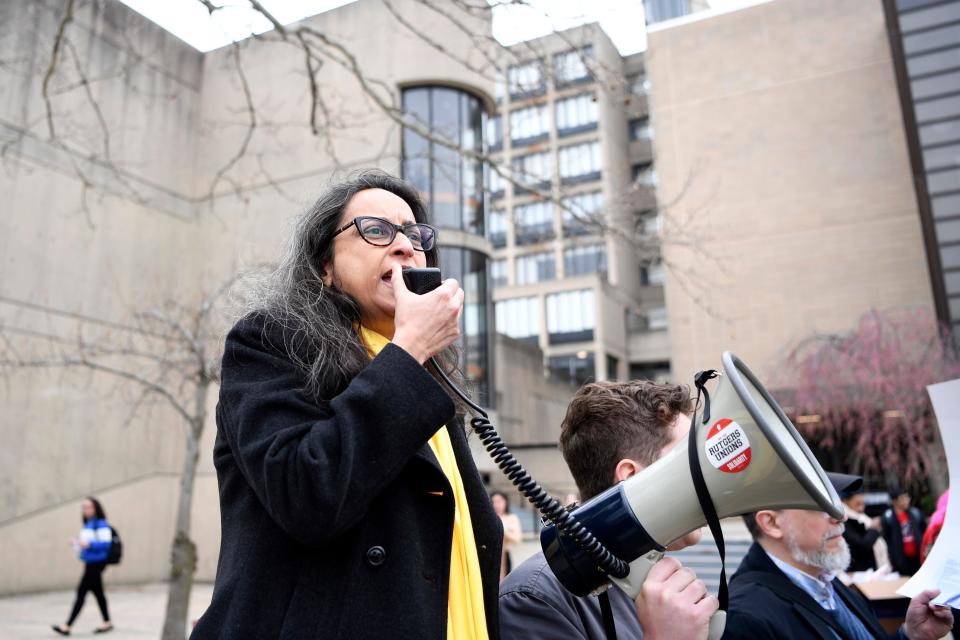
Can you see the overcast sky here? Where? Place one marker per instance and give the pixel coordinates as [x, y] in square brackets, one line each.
[190, 21]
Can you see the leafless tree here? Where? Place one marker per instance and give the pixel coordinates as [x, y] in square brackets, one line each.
[863, 393]
[75, 120]
[168, 354]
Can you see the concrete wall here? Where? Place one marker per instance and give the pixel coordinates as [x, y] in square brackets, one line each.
[779, 140]
[96, 239]
[530, 408]
[158, 224]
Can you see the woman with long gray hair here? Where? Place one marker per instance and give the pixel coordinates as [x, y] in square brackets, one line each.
[350, 504]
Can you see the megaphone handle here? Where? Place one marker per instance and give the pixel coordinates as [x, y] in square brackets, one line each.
[639, 569]
[632, 584]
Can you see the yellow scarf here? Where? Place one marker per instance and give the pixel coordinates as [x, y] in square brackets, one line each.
[465, 614]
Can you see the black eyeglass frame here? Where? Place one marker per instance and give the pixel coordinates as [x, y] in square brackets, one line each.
[393, 236]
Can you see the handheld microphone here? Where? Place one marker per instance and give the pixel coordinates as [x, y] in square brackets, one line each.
[423, 280]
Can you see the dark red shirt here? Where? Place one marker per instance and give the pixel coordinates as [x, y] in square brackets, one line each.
[906, 531]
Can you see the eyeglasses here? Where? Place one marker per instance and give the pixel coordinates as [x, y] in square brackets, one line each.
[381, 233]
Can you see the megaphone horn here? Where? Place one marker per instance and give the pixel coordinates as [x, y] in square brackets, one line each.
[751, 457]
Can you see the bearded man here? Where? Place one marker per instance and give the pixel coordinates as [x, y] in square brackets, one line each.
[785, 587]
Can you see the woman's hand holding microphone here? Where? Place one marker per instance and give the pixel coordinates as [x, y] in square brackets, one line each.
[425, 325]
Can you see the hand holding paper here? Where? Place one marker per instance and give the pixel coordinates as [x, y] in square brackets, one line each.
[926, 621]
[941, 570]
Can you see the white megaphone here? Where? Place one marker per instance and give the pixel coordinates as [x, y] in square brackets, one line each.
[751, 458]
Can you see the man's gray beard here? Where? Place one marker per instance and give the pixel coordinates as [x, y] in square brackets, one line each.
[830, 562]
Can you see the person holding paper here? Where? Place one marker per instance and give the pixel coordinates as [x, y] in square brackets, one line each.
[786, 587]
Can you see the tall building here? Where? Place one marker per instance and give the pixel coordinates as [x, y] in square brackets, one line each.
[784, 159]
[572, 141]
[661, 10]
[925, 44]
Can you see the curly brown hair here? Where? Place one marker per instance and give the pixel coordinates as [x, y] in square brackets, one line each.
[609, 421]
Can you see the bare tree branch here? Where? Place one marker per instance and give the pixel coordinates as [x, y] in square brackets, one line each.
[104, 129]
[252, 125]
[276, 23]
[57, 44]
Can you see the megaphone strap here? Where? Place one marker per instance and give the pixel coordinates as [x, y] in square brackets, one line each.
[703, 493]
[700, 381]
[606, 611]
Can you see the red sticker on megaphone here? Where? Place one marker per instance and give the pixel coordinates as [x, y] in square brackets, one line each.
[727, 446]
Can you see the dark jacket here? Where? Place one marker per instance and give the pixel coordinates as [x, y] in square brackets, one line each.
[535, 606]
[861, 541]
[765, 604]
[894, 537]
[330, 520]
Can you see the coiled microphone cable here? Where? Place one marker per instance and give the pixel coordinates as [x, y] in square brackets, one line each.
[549, 506]
[421, 281]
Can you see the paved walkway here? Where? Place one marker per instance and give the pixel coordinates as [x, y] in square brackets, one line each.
[137, 612]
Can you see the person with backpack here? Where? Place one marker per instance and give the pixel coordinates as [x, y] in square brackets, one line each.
[94, 544]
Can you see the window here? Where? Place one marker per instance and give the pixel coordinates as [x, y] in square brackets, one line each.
[498, 228]
[579, 210]
[529, 124]
[470, 269]
[495, 132]
[499, 87]
[519, 318]
[580, 162]
[534, 168]
[451, 182]
[653, 274]
[640, 128]
[572, 66]
[570, 316]
[656, 371]
[613, 364]
[657, 318]
[576, 369]
[649, 222]
[638, 85]
[498, 273]
[575, 114]
[534, 222]
[591, 258]
[497, 183]
[525, 80]
[644, 174]
[536, 267]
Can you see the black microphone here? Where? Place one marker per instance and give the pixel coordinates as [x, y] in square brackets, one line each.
[422, 280]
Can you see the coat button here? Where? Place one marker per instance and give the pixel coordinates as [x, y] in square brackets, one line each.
[376, 556]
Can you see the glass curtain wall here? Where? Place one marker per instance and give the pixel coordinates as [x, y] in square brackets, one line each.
[470, 269]
[451, 184]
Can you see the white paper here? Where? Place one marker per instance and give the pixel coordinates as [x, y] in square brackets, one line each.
[941, 570]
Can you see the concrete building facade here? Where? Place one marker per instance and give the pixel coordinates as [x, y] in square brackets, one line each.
[925, 45]
[573, 137]
[782, 156]
[166, 171]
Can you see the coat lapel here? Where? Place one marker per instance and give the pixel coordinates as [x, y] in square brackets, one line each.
[758, 568]
[425, 454]
[860, 609]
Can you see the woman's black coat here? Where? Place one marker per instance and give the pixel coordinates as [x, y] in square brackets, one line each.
[331, 523]
[861, 541]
